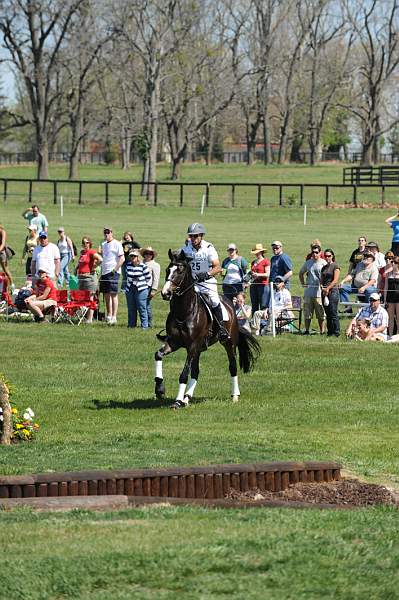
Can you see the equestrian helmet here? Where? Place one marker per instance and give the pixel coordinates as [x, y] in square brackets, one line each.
[195, 228]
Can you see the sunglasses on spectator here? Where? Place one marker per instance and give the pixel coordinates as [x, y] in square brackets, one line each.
[106, 231]
[315, 251]
[374, 300]
[328, 255]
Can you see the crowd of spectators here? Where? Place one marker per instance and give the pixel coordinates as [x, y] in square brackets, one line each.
[128, 267]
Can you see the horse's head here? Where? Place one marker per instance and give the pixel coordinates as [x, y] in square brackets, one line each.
[178, 274]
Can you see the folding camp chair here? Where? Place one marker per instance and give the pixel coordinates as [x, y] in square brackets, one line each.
[284, 323]
[75, 310]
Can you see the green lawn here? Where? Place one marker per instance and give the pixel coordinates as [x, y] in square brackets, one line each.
[308, 398]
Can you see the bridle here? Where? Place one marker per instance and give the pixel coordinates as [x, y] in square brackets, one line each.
[176, 289]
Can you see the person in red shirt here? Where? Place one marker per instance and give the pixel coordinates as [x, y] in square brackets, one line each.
[89, 259]
[44, 296]
[259, 290]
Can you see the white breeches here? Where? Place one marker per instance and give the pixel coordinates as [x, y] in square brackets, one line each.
[210, 288]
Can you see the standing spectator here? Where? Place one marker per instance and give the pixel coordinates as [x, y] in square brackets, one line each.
[314, 243]
[282, 303]
[5, 254]
[31, 241]
[312, 295]
[234, 268]
[382, 272]
[89, 259]
[128, 243]
[243, 311]
[67, 254]
[43, 297]
[330, 294]
[149, 255]
[379, 258]
[280, 264]
[46, 257]
[363, 282]
[259, 289]
[113, 259]
[375, 314]
[35, 217]
[391, 294]
[357, 255]
[138, 285]
[393, 222]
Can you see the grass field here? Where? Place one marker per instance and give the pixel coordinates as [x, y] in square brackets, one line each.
[220, 195]
[308, 398]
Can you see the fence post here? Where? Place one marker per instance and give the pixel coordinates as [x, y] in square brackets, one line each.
[106, 192]
[259, 194]
[130, 194]
[233, 193]
[383, 195]
[280, 198]
[155, 193]
[181, 200]
[301, 194]
[54, 192]
[327, 195]
[207, 191]
[30, 191]
[5, 191]
[80, 192]
[355, 195]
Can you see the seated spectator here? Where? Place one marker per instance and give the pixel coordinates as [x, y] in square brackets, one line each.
[357, 255]
[282, 304]
[391, 293]
[314, 243]
[375, 314]
[393, 222]
[44, 296]
[363, 282]
[242, 310]
[364, 333]
[234, 268]
[312, 294]
[379, 258]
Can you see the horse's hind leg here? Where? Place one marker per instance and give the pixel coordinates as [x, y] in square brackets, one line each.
[193, 378]
[159, 384]
[235, 390]
[181, 398]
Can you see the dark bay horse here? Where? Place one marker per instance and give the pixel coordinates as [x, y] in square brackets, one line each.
[190, 326]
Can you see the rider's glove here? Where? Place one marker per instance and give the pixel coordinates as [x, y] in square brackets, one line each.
[201, 277]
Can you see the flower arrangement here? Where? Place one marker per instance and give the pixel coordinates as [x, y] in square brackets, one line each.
[24, 427]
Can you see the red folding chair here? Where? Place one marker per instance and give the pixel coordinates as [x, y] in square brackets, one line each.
[75, 310]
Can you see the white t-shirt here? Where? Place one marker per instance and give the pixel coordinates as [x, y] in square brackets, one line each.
[202, 258]
[44, 257]
[111, 252]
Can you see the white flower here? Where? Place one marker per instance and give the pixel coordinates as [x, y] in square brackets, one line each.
[29, 414]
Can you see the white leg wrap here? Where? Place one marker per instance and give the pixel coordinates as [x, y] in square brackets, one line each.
[158, 369]
[191, 387]
[235, 390]
[182, 390]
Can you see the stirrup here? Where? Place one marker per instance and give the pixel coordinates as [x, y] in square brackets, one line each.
[223, 334]
[179, 404]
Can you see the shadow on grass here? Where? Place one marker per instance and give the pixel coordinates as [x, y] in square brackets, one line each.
[139, 404]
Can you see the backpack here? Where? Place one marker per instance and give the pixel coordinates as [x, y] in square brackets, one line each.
[20, 299]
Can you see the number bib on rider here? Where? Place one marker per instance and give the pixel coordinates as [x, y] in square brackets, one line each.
[202, 258]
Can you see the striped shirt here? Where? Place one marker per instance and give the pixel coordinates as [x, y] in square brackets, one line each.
[139, 276]
[377, 318]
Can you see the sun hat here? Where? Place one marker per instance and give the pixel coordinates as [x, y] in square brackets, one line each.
[231, 247]
[276, 243]
[32, 227]
[148, 249]
[258, 248]
[43, 234]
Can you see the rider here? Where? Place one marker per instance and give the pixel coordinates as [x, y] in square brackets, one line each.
[205, 265]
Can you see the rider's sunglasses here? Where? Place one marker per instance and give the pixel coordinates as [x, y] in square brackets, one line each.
[194, 235]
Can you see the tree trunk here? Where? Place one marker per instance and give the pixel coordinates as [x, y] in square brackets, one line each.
[6, 432]
[176, 167]
[267, 147]
[74, 165]
[42, 159]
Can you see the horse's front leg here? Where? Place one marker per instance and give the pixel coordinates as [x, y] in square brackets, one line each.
[235, 390]
[181, 398]
[193, 378]
[159, 384]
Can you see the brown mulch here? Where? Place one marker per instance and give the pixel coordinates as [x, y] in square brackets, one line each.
[347, 492]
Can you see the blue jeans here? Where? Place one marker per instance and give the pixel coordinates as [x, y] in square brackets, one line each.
[137, 302]
[64, 272]
[347, 289]
[260, 295]
[149, 309]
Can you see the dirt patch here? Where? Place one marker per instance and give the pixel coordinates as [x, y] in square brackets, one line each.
[348, 492]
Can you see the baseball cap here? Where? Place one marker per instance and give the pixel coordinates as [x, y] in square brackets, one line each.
[43, 234]
[134, 253]
[276, 243]
[374, 296]
[278, 279]
[231, 247]
[107, 229]
[60, 229]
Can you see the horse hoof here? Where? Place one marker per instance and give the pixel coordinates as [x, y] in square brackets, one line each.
[179, 404]
[235, 398]
[160, 395]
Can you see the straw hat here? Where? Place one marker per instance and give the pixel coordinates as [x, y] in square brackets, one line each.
[148, 249]
[258, 248]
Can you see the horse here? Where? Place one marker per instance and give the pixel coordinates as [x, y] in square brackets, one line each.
[189, 325]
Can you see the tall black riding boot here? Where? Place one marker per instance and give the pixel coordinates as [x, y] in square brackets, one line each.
[218, 316]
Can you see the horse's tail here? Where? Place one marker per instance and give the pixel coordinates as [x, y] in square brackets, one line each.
[248, 350]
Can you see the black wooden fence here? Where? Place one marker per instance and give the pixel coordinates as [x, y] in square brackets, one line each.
[206, 187]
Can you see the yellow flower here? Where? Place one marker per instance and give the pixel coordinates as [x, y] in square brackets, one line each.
[25, 432]
[18, 426]
[14, 411]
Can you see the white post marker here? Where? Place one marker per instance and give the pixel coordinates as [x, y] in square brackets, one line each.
[271, 310]
[304, 215]
[62, 206]
[203, 204]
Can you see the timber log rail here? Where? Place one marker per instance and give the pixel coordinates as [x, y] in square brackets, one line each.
[211, 482]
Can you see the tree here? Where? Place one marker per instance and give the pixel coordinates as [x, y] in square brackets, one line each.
[33, 35]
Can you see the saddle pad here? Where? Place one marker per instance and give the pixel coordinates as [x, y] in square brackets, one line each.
[224, 311]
